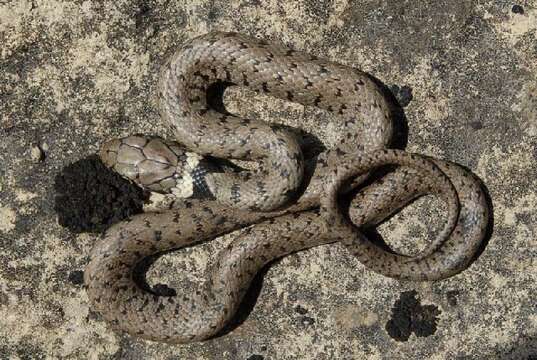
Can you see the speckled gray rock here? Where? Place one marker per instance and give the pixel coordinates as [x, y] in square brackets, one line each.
[77, 73]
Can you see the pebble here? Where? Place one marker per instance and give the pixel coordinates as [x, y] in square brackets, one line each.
[517, 9]
[37, 153]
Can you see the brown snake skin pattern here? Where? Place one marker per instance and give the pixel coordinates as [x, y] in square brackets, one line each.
[288, 215]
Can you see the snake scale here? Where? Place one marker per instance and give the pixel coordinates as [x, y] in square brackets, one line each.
[288, 215]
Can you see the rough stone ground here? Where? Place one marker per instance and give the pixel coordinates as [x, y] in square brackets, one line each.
[74, 74]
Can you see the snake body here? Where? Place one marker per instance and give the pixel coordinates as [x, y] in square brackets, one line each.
[287, 218]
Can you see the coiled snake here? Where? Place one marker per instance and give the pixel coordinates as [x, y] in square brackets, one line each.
[290, 216]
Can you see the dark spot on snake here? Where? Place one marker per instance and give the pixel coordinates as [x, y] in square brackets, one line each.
[245, 121]
[317, 100]
[350, 121]
[221, 220]
[340, 152]
[322, 162]
[195, 99]
[260, 185]
[235, 193]
[289, 96]
[264, 86]
[207, 210]
[290, 52]
[245, 81]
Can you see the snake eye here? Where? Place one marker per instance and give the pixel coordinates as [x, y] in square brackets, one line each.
[108, 152]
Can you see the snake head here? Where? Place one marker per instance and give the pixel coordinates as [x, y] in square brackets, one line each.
[152, 163]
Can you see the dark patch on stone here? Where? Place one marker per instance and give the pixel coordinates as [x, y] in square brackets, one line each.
[308, 320]
[164, 290]
[76, 277]
[93, 315]
[517, 9]
[40, 152]
[255, 357]
[4, 300]
[130, 349]
[476, 125]
[403, 94]
[452, 297]
[409, 316]
[26, 349]
[144, 11]
[90, 197]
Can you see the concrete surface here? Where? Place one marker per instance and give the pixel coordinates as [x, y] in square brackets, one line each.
[76, 73]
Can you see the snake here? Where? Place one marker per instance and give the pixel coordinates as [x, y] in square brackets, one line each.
[289, 203]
